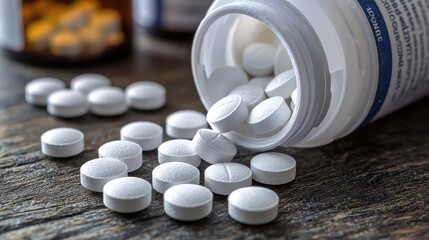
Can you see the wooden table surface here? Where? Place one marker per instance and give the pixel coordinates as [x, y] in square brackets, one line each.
[373, 184]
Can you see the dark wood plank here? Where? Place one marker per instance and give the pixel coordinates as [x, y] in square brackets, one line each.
[373, 184]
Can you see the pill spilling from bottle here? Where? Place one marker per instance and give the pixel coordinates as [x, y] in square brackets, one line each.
[254, 93]
[178, 176]
[259, 107]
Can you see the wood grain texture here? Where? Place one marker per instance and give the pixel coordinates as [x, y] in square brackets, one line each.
[373, 184]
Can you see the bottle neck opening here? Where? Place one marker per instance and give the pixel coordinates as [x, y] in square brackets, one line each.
[228, 28]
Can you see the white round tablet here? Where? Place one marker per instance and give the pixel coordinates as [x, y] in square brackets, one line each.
[178, 150]
[273, 168]
[86, 83]
[224, 79]
[269, 115]
[282, 85]
[253, 205]
[146, 95]
[107, 101]
[184, 124]
[258, 59]
[67, 103]
[261, 81]
[146, 134]
[170, 174]
[282, 62]
[127, 194]
[38, 90]
[251, 94]
[213, 147]
[128, 152]
[227, 114]
[96, 173]
[188, 202]
[62, 142]
[223, 178]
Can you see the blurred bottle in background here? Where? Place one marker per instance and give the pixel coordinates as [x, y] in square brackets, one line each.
[170, 19]
[65, 32]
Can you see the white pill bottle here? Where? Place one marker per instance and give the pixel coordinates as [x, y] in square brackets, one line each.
[354, 60]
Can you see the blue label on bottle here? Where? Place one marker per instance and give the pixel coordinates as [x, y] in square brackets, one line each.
[172, 15]
[158, 16]
[384, 49]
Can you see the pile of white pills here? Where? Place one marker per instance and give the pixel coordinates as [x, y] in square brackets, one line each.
[260, 104]
[177, 176]
[93, 93]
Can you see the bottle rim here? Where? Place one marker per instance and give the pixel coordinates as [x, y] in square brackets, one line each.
[309, 61]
